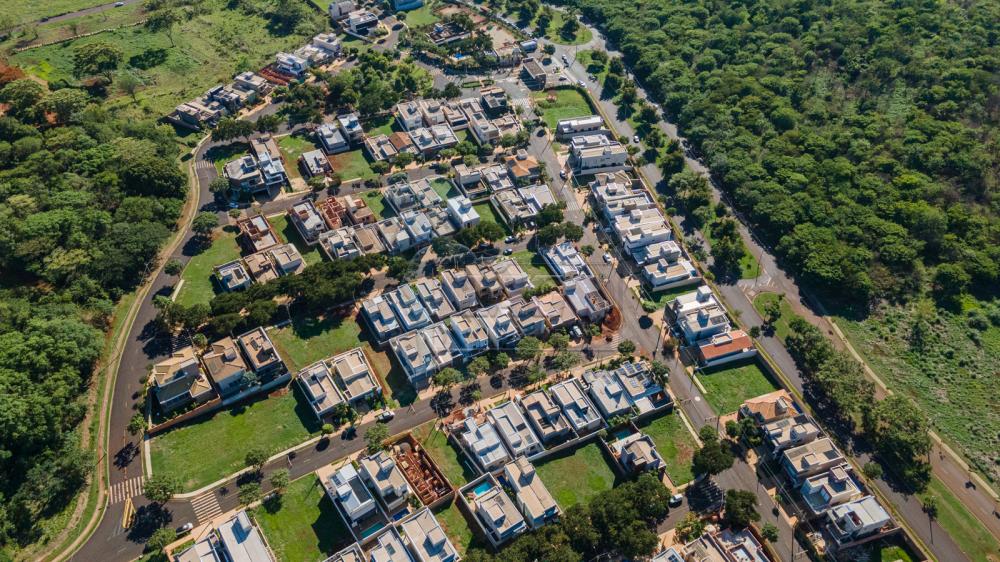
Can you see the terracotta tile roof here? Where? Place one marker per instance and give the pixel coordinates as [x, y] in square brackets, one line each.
[771, 406]
[725, 344]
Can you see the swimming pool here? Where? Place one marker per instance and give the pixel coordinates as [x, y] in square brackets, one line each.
[482, 488]
[372, 530]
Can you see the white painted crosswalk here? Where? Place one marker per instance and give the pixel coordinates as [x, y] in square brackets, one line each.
[126, 489]
[206, 507]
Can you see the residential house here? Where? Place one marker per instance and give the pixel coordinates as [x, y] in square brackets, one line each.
[307, 221]
[382, 475]
[725, 546]
[856, 520]
[667, 250]
[608, 188]
[250, 81]
[499, 325]
[565, 261]
[462, 212]
[607, 392]
[635, 201]
[597, 154]
[332, 138]
[445, 32]
[397, 239]
[432, 112]
[287, 259]
[232, 276]
[459, 289]
[430, 293]
[368, 239]
[528, 317]
[785, 433]
[355, 375]
[523, 168]
[382, 322]
[496, 178]
[196, 114]
[426, 538]
[414, 356]
[443, 349]
[412, 315]
[340, 9]
[662, 274]
[586, 300]
[568, 128]
[350, 124]
[536, 197]
[291, 64]
[441, 224]
[339, 244]
[256, 233]
[512, 277]
[319, 388]
[260, 266]
[578, 409]
[555, 310]
[534, 499]
[637, 453]
[234, 539]
[358, 210]
[225, 366]
[533, 74]
[418, 225]
[702, 323]
[430, 140]
[769, 407]
[485, 281]
[350, 553]
[639, 385]
[470, 336]
[408, 115]
[546, 418]
[829, 489]
[315, 163]
[401, 143]
[360, 22]
[349, 494]
[329, 43]
[265, 146]
[493, 100]
[179, 381]
[641, 228]
[494, 511]
[470, 180]
[389, 547]
[258, 349]
[483, 130]
[405, 196]
[244, 175]
[725, 348]
[509, 422]
[810, 459]
[380, 147]
[511, 207]
[333, 212]
[482, 442]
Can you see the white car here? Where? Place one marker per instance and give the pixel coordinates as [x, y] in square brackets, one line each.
[385, 416]
[607, 257]
[581, 83]
[635, 139]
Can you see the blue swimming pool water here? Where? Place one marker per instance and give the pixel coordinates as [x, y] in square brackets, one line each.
[482, 488]
[372, 530]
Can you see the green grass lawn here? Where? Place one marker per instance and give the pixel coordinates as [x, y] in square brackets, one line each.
[445, 188]
[967, 531]
[284, 227]
[781, 326]
[488, 214]
[292, 146]
[382, 125]
[729, 386]
[352, 165]
[454, 466]
[23, 12]
[304, 524]
[275, 423]
[554, 32]
[199, 286]
[308, 339]
[749, 268]
[675, 444]
[578, 476]
[220, 155]
[534, 266]
[64, 29]
[663, 298]
[207, 49]
[422, 16]
[568, 103]
[456, 526]
[881, 552]
[585, 59]
[377, 203]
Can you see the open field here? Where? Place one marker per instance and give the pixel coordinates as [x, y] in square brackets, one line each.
[308, 339]
[292, 146]
[749, 268]
[47, 32]
[577, 476]
[448, 459]
[376, 202]
[23, 12]
[534, 265]
[445, 188]
[199, 286]
[231, 434]
[303, 524]
[967, 532]
[382, 125]
[554, 32]
[207, 50]
[352, 165]
[567, 103]
[675, 444]
[423, 16]
[730, 385]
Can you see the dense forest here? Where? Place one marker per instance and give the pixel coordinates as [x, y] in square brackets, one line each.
[86, 200]
[860, 137]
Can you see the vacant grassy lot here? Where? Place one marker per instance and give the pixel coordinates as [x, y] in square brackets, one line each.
[352, 165]
[675, 444]
[199, 286]
[562, 103]
[23, 12]
[445, 188]
[781, 326]
[423, 16]
[952, 375]
[534, 266]
[308, 339]
[456, 527]
[293, 146]
[727, 387]
[304, 524]
[219, 155]
[284, 227]
[383, 125]
[554, 32]
[64, 29]
[488, 214]
[577, 476]
[448, 459]
[207, 50]
[376, 202]
[275, 423]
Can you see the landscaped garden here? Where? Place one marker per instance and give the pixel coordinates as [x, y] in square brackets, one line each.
[729, 386]
[562, 103]
[663, 298]
[275, 423]
[675, 444]
[577, 476]
[303, 524]
[352, 165]
[199, 286]
[447, 458]
[555, 31]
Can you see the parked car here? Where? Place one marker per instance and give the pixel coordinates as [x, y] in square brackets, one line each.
[592, 78]
[510, 239]
[607, 257]
[581, 83]
[635, 139]
[119, 4]
[562, 174]
[675, 500]
[385, 416]
[185, 528]
[576, 333]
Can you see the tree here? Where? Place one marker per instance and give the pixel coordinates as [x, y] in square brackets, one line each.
[649, 307]
[772, 310]
[565, 360]
[229, 128]
[137, 424]
[741, 508]
[689, 528]
[900, 432]
[479, 366]
[220, 186]
[256, 458]
[204, 223]
[559, 341]
[950, 283]
[250, 493]
[400, 268]
[98, 58]
[173, 267]
[490, 231]
[327, 429]
[872, 470]
[163, 20]
[572, 231]
[451, 91]
[548, 235]
[447, 377]
[160, 488]
[279, 479]
[22, 96]
[65, 102]
[570, 26]
[500, 360]
[376, 436]
[626, 347]
[660, 372]
[770, 532]
[550, 214]
[528, 348]
[269, 123]
[161, 538]
[712, 458]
